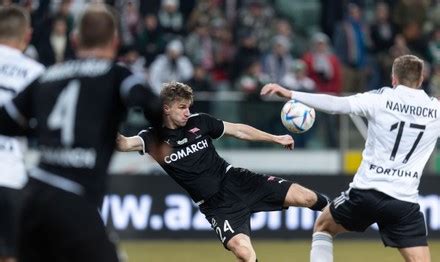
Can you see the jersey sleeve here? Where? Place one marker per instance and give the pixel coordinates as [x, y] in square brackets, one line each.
[214, 127]
[15, 114]
[146, 138]
[364, 104]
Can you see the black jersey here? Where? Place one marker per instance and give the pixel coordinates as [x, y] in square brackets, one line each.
[75, 109]
[194, 163]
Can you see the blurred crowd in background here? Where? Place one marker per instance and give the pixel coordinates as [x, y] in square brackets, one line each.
[331, 46]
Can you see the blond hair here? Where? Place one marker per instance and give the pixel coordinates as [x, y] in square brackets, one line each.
[408, 69]
[175, 91]
[14, 22]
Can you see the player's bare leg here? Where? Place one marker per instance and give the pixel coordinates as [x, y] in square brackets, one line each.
[300, 196]
[322, 243]
[413, 254]
[242, 248]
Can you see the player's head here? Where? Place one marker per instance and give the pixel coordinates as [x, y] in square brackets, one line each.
[176, 98]
[97, 29]
[15, 27]
[408, 71]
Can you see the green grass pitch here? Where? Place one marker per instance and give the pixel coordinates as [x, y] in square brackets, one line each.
[267, 250]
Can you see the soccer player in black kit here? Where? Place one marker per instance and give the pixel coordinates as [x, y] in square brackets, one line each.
[226, 195]
[74, 110]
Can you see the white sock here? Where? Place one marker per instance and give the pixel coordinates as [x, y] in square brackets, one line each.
[322, 247]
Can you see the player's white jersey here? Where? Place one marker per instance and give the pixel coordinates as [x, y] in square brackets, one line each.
[403, 127]
[16, 72]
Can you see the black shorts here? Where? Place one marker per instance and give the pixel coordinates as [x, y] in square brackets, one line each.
[9, 207]
[243, 193]
[401, 224]
[57, 225]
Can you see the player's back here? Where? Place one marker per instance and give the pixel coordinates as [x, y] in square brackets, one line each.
[78, 107]
[402, 133]
[16, 72]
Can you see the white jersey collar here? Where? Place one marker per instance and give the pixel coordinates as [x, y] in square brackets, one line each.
[4, 49]
[403, 88]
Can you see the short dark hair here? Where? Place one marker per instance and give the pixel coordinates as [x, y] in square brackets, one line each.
[13, 22]
[97, 26]
[174, 91]
[408, 69]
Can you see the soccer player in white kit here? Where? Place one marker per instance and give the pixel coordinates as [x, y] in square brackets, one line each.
[16, 72]
[403, 127]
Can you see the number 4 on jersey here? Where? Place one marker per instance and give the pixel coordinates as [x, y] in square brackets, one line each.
[64, 112]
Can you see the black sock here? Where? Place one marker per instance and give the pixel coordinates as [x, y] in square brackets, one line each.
[321, 202]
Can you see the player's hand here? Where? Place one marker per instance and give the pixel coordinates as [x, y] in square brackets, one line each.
[286, 141]
[275, 89]
[159, 151]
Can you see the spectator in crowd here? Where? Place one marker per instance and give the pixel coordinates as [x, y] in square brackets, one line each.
[408, 11]
[250, 83]
[298, 43]
[171, 19]
[257, 17]
[199, 46]
[434, 84]
[150, 41]
[278, 62]
[201, 82]
[350, 46]
[297, 79]
[434, 14]
[56, 46]
[325, 69]
[247, 52]
[251, 80]
[171, 66]
[382, 29]
[383, 32]
[224, 52]
[129, 56]
[323, 65]
[130, 19]
[399, 48]
[434, 47]
[65, 10]
[206, 10]
[415, 38]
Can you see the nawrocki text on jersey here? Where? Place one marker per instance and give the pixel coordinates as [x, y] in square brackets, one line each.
[191, 149]
[412, 110]
[393, 172]
[69, 157]
[13, 71]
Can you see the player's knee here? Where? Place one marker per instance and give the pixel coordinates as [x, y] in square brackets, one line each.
[325, 223]
[242, 250]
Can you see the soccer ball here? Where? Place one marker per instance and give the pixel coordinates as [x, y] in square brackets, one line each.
[297, 117]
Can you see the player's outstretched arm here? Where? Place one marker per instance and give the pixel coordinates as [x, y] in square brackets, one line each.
[322, 102]
[128, 144]
[275, 89]
[245, 132]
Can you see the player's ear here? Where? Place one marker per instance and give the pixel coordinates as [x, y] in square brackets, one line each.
[27, 37]
[115, 41]
[74, 39]
[166, 109]
[394, 81]
[422, 77]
